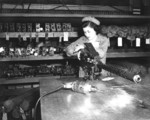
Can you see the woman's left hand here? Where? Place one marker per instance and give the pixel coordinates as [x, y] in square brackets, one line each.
[78, 55]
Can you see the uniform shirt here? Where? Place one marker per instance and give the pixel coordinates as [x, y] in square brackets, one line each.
[101, 46]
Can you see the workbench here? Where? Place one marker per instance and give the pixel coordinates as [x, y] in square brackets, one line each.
[117, 99]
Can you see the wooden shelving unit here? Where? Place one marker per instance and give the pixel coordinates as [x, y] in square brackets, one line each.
[75, 17]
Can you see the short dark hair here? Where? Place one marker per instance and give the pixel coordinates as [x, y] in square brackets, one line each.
[92, 25]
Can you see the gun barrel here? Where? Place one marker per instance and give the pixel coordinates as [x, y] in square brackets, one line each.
[125, 74]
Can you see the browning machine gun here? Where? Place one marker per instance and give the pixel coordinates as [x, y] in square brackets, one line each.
[89, 57]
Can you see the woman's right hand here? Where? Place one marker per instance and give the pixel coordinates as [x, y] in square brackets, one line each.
[78, 47]
[73, 52]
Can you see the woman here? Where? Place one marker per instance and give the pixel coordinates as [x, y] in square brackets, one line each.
[90, 26]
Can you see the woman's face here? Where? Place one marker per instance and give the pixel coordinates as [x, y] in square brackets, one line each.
[90, 33]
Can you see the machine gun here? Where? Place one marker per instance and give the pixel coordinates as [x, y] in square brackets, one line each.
[89, 56]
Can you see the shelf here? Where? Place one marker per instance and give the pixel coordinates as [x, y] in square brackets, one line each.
[30, 80]
[70, 14]
[33, 58]
[39, 34]
[4, 81]
[127, 54]
[75, 17]
[60, 57]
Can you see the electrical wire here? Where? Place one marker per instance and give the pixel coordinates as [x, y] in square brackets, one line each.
[55, 90]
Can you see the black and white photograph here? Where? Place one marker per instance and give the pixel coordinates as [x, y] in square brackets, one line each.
[74, 59]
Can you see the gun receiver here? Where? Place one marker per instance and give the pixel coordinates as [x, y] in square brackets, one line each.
[91, 50]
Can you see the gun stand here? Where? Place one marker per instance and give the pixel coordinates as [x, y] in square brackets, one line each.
[91, 72]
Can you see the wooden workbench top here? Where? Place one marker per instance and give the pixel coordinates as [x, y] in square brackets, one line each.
[122, 102]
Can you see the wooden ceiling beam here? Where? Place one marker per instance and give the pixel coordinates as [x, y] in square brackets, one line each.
[61, 7]
[74, 2]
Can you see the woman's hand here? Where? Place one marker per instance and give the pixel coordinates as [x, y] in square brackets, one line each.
[79, 55]
[78, 47]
